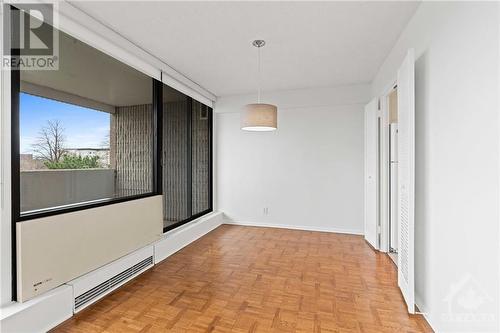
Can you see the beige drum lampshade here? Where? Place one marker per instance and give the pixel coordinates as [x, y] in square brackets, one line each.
[259, 117]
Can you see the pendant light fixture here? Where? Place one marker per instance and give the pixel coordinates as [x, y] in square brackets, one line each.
[259, 116]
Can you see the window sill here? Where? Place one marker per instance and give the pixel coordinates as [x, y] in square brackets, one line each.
[78, 207]
[190, 224]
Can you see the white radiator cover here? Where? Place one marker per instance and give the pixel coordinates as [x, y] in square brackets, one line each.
[90, 281]
[57, 249]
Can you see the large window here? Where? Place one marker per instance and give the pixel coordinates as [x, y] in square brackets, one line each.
[96, 131]
[187, 158]
[85, 132]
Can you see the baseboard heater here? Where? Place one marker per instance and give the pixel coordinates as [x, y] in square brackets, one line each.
[93, 286]
[115, 281]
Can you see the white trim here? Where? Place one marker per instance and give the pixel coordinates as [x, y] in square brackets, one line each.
[383, 160]
[419, 303]
[295, 227]
[5, 184]
[215, 154]
[371, 208]
[423, 312]
[39, 314]
[498, 154]
[173, 83]
[406, 179]
[384, 171]
[176, 239]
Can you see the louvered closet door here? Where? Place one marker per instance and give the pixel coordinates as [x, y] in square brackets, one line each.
[406, 179]
[371, 162]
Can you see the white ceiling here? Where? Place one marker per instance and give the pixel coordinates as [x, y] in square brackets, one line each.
[309, 44]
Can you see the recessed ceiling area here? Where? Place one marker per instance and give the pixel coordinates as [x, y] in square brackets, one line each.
[90, 74]
[86, 72]
[308, 44]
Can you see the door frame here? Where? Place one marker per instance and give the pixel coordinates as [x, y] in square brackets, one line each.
[371, 226]
[406, 285]
[384, 167]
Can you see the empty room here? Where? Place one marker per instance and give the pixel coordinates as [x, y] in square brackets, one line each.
[249, 166]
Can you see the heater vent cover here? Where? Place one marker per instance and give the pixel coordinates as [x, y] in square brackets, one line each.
[95, 293]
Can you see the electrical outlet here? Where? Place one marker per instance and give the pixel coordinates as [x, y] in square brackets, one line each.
[266, 210]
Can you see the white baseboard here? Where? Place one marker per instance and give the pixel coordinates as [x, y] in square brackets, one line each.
[419, 303]
[39, 314]
[295, 227]
[423, 311]
[178, 238]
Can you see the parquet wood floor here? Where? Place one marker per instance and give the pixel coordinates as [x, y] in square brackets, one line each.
[250, 279]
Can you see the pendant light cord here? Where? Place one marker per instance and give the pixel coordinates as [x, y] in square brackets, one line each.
[258, 77]
[258, 43]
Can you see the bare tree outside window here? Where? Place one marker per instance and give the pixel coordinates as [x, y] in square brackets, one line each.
[106, 141]
[49, 146]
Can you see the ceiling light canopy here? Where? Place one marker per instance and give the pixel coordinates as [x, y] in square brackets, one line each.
[259, 116]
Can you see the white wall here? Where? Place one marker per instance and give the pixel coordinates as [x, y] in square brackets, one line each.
[457, 148]
[5, 186]
[309, 173]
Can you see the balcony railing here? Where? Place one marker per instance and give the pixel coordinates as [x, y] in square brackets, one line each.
[59, 187]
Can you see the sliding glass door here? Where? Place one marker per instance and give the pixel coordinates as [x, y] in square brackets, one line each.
[186, 158]
[201, 158]
[175, 157]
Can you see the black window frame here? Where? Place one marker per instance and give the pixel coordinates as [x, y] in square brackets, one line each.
[157, 171]
[157, 133]
[17, 215]
[189, 108]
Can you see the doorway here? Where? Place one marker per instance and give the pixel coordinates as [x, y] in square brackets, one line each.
[390, 175]
[392, 104]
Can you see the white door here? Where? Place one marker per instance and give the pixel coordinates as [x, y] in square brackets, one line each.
[406, 179]
[371, 170]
